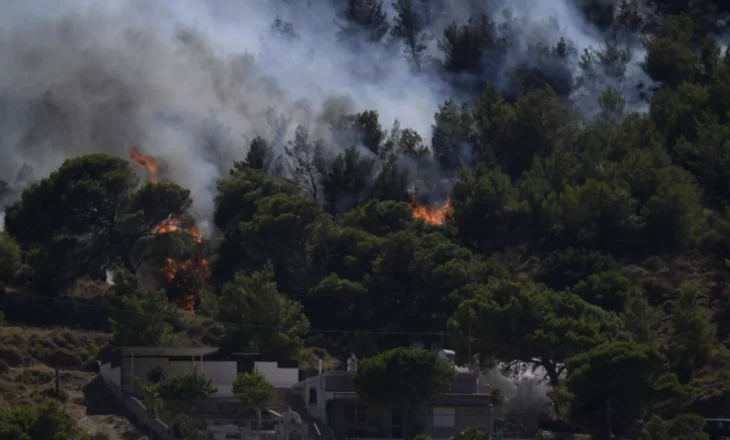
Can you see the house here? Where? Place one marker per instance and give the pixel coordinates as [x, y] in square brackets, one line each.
[331, 398]
[120, 365]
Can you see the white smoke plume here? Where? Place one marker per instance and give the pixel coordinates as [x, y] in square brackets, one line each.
[191, 82]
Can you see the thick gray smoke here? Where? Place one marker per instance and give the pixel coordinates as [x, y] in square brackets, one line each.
[191, 82]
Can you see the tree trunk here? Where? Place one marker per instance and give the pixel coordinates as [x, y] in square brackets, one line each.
[554, 378]
[260, 421]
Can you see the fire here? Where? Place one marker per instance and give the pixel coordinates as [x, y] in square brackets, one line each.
[145, 162]
[433, 215]
[196, 265]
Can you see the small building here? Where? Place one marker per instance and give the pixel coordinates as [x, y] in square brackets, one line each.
[121, 364]
[331, 398]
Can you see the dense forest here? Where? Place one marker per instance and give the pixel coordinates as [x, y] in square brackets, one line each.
[566, 214]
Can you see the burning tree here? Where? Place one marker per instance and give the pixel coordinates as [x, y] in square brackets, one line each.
[433, 215]
[92, 214]
[183, 277]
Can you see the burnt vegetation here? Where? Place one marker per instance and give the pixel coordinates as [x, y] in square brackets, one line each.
[588, 243]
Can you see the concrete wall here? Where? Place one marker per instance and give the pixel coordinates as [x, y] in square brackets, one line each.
[464, 417]
[278, 377]
[109, 374]
[221, 373]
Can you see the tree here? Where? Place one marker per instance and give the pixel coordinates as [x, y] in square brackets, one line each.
[669, 57]
[143, 317]
[635, 379]
[307, 162]
[692, 335]
[364, 20]
[189, 387]
[150, 396]
[90, 215]
[254, 392]
[4, 189]
[403, 378]
[408, 28]
[10, 258]
[519, 323]
[46, 421]
[257, 317]
[682, 427]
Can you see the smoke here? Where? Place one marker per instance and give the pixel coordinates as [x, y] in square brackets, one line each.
[191, 82]
[525, 396]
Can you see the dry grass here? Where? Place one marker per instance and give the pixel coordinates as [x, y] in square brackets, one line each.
[27, 385]
[32, 353]
[55, 347]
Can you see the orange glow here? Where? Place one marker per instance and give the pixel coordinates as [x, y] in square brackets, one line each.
[196, 265]
[433, 215]
[145, 162]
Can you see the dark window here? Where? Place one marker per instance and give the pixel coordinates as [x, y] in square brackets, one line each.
[396, 432]
[362, 414]
[312, 396]
[350, 414]
[395, 419]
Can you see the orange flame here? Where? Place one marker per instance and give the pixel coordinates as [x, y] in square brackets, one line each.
[172, 267]
[433, 215]
[144, 161]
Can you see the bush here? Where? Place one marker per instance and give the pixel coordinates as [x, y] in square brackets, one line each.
[189, 387]
[182, 428]
[9, 258]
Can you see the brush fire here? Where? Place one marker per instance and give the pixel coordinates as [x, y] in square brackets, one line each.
[196, 266]
[433, 215]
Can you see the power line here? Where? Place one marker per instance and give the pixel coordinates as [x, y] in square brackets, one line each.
[268, 327]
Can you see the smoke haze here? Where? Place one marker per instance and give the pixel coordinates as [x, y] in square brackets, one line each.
[191, 82]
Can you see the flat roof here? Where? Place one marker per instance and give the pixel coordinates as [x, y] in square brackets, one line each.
[167, 351]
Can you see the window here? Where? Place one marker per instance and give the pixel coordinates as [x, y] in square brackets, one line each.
[312, 396]
[396, 432]
[356, 413]
[444, 417]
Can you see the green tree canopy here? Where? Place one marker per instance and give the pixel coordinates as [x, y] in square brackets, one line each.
[256, 317]
[92, 214]
[634, 378]
[254, 391]
[526, 323]
[403, 378]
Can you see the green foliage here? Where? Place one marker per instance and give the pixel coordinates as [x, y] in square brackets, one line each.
[633, 377]
[254, 391]
[156, 375]
[10, 258]
[473, 433]
[403, 378]
[513, 322]
[150, 396]
[143, 317]
[682, 427]
[189, 387]
[258, 318]
[182, 428]
[92, 214]
[47, 421]
[692, 336]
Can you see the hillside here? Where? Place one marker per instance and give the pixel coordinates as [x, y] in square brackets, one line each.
[541, 186]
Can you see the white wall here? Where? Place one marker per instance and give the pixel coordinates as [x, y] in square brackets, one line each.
[278, 377]
[109, 374]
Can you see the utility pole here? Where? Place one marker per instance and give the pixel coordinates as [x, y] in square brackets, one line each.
[58, 381]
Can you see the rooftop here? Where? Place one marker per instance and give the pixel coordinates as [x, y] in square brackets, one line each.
[167, 351]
